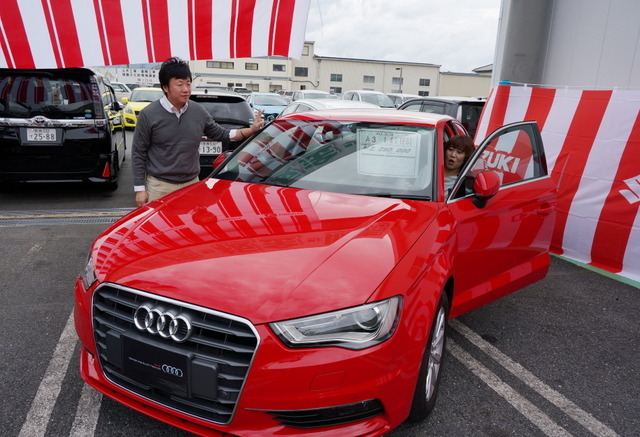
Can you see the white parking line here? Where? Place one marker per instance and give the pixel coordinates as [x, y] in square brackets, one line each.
[87, 413]
[526, 408]
[38, 417]
[569, 408]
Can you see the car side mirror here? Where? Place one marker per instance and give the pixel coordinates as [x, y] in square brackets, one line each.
[125, 100]
[485, 186]
[221, 158]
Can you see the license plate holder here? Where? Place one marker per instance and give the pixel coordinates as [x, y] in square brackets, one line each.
[159, 367]
[41, 135]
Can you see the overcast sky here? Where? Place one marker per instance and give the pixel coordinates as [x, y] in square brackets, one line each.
[459, 35]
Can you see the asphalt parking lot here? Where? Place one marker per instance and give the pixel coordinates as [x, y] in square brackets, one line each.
[558, 358]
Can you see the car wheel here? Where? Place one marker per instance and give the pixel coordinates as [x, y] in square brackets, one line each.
[424, 398]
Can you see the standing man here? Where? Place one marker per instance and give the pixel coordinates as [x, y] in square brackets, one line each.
[167, 136]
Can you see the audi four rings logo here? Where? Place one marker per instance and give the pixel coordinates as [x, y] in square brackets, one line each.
[167, 324]
[172, 370]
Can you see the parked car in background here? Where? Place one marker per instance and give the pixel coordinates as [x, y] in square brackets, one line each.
[304, 105]
[271, 103]
[375, 97]
[211, 88]
[229, 110]
[286, 94]
[465, 109]
[244, 92]
[310, 94]
[59, 125]
[121, 90]
[140, 97]
[305, 287]
[133, 86]
[399, 98]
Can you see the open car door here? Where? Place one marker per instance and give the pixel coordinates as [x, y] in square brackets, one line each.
[503, 204]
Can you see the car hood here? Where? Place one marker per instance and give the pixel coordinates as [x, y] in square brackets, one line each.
[261, 252]
[137, 106]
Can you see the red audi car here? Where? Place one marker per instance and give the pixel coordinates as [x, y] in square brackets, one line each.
[305, 287]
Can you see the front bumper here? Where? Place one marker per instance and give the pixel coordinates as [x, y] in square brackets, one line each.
[286, 392]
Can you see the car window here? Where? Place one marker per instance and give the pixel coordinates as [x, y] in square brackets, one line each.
[381, 100]
[413, 107]
[269, 100]
[470, 115]
[28, 95]
[108, 98]
[514, 153]
[433, 108]
[344, 157]
[290, 109]
[317, 96]
[142, 95]
[231, 109]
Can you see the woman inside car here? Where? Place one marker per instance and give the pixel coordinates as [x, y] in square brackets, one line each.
[457, 150]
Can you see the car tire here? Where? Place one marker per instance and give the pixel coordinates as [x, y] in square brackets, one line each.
[424, 397]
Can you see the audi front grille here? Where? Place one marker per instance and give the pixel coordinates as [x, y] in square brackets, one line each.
[189, 358]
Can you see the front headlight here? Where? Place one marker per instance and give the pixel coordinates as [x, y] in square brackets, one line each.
[352, 328]
[88, 275]
[128, 110]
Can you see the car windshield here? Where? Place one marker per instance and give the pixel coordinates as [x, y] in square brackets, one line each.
[388, 160]
[269, 100]
[54, 97]
[139, 95]
[381, 100]
[316, 96]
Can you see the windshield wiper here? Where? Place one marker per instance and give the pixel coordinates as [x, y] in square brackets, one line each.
[398, 196]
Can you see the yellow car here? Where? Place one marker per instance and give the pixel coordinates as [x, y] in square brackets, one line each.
[140, 97]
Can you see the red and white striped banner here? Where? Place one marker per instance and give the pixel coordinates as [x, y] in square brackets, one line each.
[74, 33]
[592, 141]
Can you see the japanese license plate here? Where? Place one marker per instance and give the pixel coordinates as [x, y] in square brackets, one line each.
[41, 135]
[210, 147]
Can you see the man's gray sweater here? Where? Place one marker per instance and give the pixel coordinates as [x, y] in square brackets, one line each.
[166, 147]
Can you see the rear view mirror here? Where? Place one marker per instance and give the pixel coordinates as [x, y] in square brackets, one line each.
[485, 186]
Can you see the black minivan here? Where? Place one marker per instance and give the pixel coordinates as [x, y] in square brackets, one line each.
[465, 109]
[59, 125]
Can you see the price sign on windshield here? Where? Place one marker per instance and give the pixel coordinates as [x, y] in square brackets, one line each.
[388, 153]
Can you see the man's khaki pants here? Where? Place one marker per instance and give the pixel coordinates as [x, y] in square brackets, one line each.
[157, 188]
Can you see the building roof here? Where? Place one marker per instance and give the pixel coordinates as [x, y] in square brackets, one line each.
[374, 61]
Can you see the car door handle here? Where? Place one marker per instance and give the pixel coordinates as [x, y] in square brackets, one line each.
[546, 208]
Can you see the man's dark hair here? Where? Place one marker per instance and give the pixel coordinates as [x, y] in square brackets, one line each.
[173, 68]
